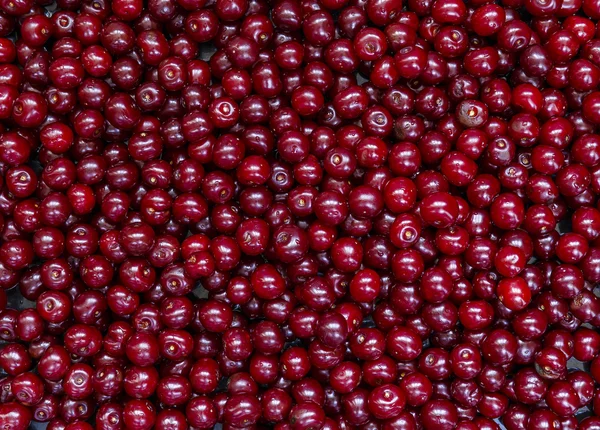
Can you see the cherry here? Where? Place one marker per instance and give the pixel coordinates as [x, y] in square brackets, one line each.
[367, 214]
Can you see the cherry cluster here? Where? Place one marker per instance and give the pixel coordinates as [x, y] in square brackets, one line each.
[300, 214]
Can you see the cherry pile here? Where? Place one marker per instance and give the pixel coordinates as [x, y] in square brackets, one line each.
[352, 214]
